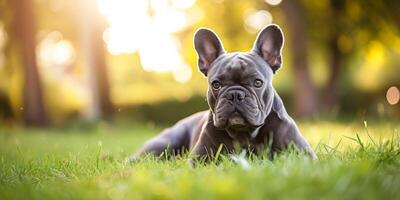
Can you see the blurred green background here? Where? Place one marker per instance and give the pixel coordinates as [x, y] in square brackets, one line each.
[63, 61]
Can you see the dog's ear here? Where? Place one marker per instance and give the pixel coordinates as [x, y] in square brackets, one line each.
[269, 45]
[208, 47]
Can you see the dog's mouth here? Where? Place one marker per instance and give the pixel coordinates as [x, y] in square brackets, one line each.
[235, 122]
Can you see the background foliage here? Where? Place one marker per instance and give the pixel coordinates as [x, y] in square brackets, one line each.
[344, 64]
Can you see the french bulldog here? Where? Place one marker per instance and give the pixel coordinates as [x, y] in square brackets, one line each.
[244, 108]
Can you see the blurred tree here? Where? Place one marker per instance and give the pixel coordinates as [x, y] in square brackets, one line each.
[24, 23]
[306, 102]
[5, 107]
[93, 47]
[335, 59]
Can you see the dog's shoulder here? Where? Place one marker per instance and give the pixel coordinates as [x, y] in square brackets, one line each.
[278, 107]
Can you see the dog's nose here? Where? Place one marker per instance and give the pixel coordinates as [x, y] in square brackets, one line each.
[235, 95]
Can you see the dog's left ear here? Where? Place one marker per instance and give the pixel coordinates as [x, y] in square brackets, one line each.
[269, 45]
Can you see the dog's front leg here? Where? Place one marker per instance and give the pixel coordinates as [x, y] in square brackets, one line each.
[287, 133]
[209, 143]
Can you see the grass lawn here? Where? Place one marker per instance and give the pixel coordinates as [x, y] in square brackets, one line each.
[356, 161]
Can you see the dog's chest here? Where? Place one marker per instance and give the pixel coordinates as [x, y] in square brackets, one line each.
[251, 142]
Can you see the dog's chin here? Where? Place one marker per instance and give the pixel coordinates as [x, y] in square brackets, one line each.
[236, 123]
[238, 128]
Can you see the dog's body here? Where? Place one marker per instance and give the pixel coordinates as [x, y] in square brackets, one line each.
[245, 109]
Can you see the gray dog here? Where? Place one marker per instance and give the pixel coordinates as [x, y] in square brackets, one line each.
[245, 109]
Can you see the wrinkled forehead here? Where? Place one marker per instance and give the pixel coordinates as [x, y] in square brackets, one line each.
[239, 66]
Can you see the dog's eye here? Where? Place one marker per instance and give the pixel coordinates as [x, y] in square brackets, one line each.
[258, 83]
[216, 85]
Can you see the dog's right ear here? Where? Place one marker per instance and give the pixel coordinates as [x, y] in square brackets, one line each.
[208, 47]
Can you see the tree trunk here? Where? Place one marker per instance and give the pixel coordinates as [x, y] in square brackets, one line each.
[306, 104]
[24, 26]
[331, 89]
[93, 48]
[99, 69]
[335, 57]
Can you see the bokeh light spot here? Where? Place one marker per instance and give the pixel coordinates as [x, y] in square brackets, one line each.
[182, 74]
[3, 38]
[393, 95]
[256, 20]
[55, 53]
[273, 2]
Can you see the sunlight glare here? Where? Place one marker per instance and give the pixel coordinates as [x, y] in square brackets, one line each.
[161, 54]
[147, 27]
[183, 4]
[124, 17]
[170, 21]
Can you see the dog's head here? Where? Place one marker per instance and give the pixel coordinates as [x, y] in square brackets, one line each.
[240, 92]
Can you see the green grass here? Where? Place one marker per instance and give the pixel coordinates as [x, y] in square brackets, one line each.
[355, 162]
